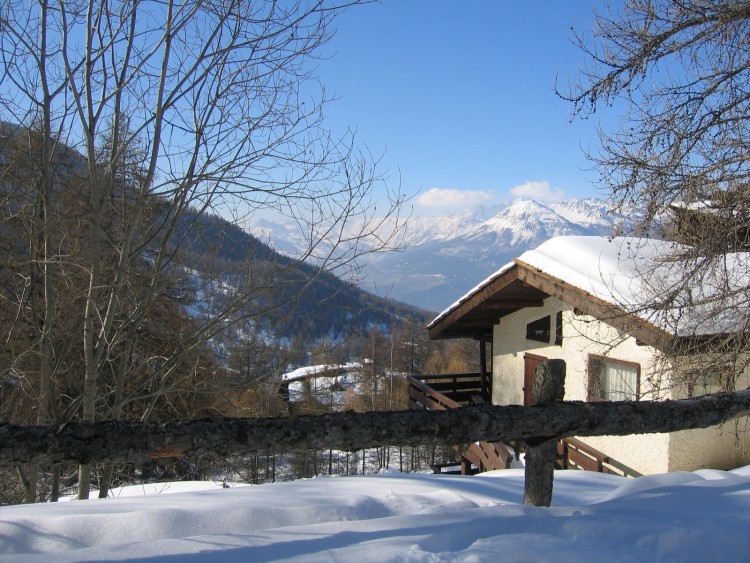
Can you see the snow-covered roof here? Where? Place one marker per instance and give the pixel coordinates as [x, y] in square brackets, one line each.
[323, 369]
[694, 206]
[614, 270]
[636, 274]
[723, 207]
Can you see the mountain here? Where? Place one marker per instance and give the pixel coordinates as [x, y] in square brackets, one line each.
[442, 268]
[447, 256]
[316, 304]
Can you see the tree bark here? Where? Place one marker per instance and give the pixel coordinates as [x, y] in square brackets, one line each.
[549, 386]
[136, 443]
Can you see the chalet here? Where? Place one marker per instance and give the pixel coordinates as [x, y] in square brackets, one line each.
[593, 302]
[726, 217]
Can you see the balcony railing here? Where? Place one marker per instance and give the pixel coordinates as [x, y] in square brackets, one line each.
[461, 388]
[574, 454]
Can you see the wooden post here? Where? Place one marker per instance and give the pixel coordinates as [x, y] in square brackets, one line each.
[483, 370]
[549, 386]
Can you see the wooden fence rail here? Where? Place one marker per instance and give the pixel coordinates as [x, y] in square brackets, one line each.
[122, 442]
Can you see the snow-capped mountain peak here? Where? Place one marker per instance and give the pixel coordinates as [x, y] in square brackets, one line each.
[523, 222]
[453, 253]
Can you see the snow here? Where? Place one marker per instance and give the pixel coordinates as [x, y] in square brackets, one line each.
[612, 270]
[700, 516]
[590, 213]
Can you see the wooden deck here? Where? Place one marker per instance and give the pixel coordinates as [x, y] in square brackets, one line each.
[453, 391]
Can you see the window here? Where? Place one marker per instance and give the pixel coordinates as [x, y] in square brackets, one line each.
[539, 330]
[613, 380]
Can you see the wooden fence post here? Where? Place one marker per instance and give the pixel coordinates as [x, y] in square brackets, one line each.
[549, 386]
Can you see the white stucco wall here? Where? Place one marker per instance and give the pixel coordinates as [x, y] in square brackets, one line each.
[584, 335]
[718, 447]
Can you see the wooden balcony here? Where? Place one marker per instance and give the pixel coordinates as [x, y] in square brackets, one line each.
[459, 390]
[453, 391]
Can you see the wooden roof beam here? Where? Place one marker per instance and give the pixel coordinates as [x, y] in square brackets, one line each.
[503, 305]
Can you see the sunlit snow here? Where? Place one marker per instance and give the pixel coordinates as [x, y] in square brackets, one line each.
[700, 516]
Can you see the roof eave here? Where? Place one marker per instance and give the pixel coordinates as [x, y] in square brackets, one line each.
[438, 329]
[447, 325]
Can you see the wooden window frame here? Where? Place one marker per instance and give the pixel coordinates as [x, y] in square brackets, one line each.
[559, 328]
[606, 359]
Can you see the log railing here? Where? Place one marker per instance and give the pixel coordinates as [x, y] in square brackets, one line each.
[137, 443]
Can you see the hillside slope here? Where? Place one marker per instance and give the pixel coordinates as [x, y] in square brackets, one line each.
[316, 304]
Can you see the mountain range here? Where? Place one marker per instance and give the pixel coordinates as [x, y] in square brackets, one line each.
[446, 256]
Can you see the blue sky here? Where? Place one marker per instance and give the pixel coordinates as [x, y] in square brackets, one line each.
[460, 97]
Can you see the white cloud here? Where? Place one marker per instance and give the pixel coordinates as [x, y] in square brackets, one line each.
[442, 197]
[538, 190]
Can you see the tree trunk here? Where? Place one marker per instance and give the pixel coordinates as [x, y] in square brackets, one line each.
[105, 481]
[549, 386]
[84, 481]
[137, 443]
[54, 495]
[29, 479]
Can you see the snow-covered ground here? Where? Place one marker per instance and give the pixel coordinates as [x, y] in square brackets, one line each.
[701, 516]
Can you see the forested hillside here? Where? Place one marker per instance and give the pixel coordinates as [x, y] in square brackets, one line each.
[316, 304]
[215, 270]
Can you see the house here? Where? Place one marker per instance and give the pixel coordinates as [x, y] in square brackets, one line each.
[726, 217]
[595, 303]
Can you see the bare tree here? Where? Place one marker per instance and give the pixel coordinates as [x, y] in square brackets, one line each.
[679, 71]
[176, 108]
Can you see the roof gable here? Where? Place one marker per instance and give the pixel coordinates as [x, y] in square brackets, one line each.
[478, 311]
